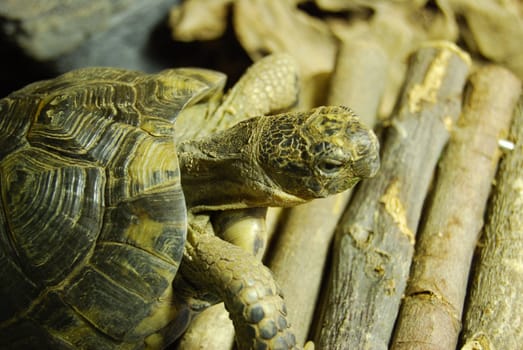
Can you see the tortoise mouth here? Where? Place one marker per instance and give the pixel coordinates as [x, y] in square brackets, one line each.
[272, 192]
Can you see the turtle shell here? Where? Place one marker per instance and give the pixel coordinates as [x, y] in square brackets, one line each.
[93, 218]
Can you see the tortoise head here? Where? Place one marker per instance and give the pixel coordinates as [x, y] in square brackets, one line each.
[316, 153]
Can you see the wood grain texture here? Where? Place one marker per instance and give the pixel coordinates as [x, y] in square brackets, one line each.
[493, 314]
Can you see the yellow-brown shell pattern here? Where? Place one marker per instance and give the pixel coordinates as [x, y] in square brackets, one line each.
[93, 218]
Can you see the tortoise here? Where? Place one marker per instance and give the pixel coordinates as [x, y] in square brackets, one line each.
[108, 178]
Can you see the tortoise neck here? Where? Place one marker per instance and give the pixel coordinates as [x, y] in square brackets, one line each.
[222, 172]
[213, 170]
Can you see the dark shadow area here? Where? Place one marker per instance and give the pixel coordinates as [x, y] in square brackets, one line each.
[18, 70]
[224, 54]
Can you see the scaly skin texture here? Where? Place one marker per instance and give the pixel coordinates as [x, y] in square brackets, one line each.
[278, 160]
[265, 161]
[269, 86]
[229, 161]
[246, 286]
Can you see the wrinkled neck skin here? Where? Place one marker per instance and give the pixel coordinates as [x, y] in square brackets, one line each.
[222, 172]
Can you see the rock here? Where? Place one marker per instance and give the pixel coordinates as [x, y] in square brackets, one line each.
[51, 37]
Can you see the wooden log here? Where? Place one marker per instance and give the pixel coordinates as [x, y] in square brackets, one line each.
[301, 249]
[495, 303]
[430, 316]
[360, 77]
[374, 241]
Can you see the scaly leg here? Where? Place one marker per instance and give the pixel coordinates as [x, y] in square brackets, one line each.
[247, 287]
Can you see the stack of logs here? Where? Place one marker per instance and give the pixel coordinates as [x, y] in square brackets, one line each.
[429, 253]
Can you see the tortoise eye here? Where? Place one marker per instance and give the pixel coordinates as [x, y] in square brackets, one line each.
[329, 165]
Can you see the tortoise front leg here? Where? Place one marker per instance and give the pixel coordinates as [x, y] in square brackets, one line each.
[243, 227]
[246, 286]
